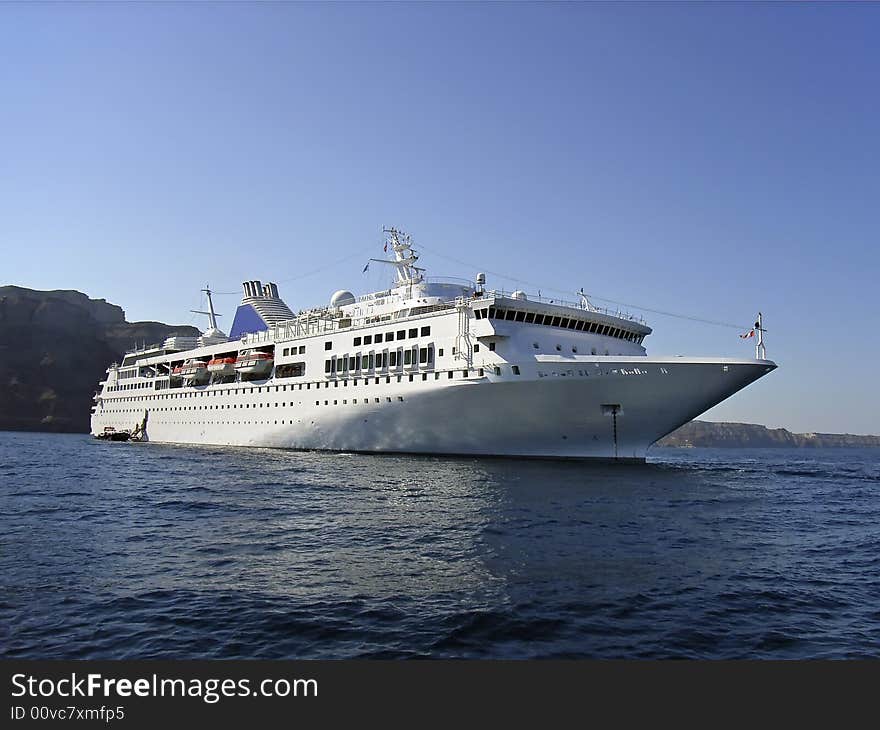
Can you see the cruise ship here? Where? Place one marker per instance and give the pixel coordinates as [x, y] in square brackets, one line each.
[426, 366]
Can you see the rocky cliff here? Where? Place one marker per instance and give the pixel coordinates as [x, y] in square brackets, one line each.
[54, 348]
[749, 435]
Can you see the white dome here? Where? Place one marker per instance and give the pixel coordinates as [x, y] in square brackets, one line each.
[342, 298]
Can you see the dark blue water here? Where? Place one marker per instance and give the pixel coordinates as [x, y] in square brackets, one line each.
[112, 550]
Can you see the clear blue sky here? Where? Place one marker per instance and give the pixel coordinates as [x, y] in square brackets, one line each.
[706, 159]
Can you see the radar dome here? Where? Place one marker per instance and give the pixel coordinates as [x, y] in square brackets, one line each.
[342, 298]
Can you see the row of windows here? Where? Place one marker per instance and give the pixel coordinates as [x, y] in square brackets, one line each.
[129, 386]
[380, 360]
[386, 337]
[294, 350]
[553, 320]
[299, 386]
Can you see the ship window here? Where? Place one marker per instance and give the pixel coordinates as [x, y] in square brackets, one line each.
[493, 312]
[424, 376]
[389, 337]
[510, 314]
[357, 341]
[530, 317]
[520, 316]
[407, 357]
[453, 350]
[401, 334]
[539, 319]
[555, 321]
[476, 348]
[478, 313]
[497, 370]
[414, 332]
[572, 323]
[426, 331]
[430, 353]
[392, 358]
[302, 349]
[378, 338]
[480, 372]
[423, 355]
[515, 369]
[579, 325]
[326, 366]
[559, 348]
[368, 339]
[440, 352]
[371, 361]
[328, 345]
[574, 350]
[364, 361]
[352, 363]
[464, 373]
[492, 346]
[450, 375]
[411, 378]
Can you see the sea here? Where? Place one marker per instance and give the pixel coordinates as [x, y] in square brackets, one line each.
[144, 551]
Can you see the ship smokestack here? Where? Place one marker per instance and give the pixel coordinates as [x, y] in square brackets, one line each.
[247, 288]
[257, 287]
[273, 290]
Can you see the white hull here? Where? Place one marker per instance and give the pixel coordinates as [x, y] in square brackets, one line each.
[552, 415]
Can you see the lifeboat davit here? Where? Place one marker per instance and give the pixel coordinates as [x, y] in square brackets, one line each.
[254, 362]
[221, 366]
[195, 370]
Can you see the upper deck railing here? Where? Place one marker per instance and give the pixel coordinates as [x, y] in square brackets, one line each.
[557, 301]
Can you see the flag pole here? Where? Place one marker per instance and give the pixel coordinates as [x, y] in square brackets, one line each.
[760, 350]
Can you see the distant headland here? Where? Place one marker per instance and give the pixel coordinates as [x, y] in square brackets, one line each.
[54, 348]
[56, 345]
[750, 435]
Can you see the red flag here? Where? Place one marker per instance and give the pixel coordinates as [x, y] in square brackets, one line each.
[750, 333]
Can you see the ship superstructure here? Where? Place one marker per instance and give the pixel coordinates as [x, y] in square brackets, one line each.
[425, 366]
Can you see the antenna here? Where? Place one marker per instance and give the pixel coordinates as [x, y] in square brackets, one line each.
[212, 317]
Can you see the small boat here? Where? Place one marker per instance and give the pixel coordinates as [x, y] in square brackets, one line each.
[254, 362]
[221, 366]
[111, 434]
[195, 370]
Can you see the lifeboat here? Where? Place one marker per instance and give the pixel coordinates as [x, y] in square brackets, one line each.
[195, 371]
[221, 366]
[254, 362]
[177, 371]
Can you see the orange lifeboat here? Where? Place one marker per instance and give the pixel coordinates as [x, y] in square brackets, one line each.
[221, 366]
[254, 362]
[195, 370]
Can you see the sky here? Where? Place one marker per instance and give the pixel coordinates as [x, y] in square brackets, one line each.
[708, 160]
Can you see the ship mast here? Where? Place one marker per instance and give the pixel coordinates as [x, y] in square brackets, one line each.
[404, 257]
[212, 317]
